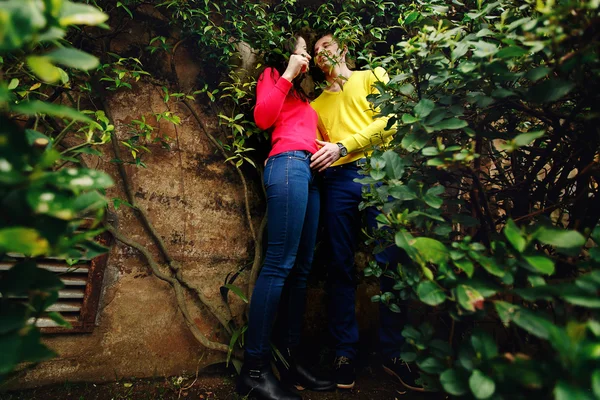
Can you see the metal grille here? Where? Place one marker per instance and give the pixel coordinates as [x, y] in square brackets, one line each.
[78, 300]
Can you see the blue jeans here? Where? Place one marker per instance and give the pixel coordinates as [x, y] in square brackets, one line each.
[341, 198]
[293, 208]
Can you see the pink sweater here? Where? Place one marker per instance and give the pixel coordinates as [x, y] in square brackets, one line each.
[294, 121]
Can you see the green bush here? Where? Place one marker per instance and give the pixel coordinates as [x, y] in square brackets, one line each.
[43, 205]
[491, 187]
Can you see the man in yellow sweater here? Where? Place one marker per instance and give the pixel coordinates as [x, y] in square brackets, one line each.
[350, 127]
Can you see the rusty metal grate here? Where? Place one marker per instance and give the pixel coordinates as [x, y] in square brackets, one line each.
[78, 301]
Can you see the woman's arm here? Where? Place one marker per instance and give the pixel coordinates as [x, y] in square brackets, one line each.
[271, 91]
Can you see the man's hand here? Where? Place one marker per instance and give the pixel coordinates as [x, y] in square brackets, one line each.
[325, 156]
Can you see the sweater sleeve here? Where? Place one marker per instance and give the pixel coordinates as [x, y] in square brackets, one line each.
[375, 132]
[271, 91]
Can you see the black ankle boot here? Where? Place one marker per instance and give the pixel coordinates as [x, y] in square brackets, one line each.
[295, 374]
[257, 381]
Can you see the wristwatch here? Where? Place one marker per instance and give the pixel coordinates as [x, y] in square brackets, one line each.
[343, 150]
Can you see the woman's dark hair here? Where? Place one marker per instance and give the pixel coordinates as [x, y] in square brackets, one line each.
[279, 62]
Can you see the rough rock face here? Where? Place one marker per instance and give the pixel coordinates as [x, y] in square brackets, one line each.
[196, 203]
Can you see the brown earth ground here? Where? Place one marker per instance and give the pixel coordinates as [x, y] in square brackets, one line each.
[219, 384]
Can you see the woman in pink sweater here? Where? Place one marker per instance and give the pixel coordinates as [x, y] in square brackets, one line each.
[293, 208]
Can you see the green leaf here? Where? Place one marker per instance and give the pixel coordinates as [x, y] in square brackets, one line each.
[469, 298]
[377, 174]
[81, 14]
[409, 119]
[524, 139]
[460, 50]
[43, 68]
[78, 179]
[14, 82]
[13, 316]
[431, 365]
[394, 165]
[403, 239]
[56, 317]
[32, 136]
[32, 349]
[466, 265]
[25, 276]
[410, 333]
[550, 90]
[583, 300]
[491, 266]
[502, 93]
[238, 291]
[431, 250]
[65, 205]
[119, 4]
[440, 348]
[450, 123]
[412, 17]
[39, 107]
[73, 58]
[525, 319]
[430, 293]
[484, 49]
[511, 52]
[27, 241]
[413, 141]
[431, 197]
[402, 192]
[538, 73]
[408, 356]
[481, 385]
[541, 263]
[234, 339]
[9, 348]
[596, 382]
[486, 287]
[484, 345]
[566, 391]
[92, 249]
[560, 238]
[454, 381]
[424, 108]
[514, 236]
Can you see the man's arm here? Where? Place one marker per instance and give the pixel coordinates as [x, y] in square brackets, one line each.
[372, 134]
[375, 132]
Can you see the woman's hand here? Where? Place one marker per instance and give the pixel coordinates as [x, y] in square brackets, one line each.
[298, 63]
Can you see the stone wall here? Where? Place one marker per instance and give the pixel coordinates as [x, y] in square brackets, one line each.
[196, 203]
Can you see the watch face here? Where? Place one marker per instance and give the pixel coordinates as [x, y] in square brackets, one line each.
[343, 150]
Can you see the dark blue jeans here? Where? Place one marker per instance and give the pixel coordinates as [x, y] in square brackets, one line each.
[293, 208]
[341, 198]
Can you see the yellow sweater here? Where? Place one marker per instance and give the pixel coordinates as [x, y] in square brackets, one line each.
[347, 117]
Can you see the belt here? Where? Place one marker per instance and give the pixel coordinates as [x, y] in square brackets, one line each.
[356, 163]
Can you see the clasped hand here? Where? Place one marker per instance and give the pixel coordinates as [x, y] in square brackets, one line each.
[298, 63]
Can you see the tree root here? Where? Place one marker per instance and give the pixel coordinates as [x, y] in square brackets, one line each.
[218, 145]
[177, 287]
[256, 236]
[224, 317]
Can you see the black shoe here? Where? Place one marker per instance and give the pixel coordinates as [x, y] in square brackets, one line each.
[294, 374]
[257, 381]
[344, 372]
[403, 373]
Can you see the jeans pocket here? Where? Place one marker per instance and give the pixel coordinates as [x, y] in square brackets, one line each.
[267, 172]
[295, 156]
